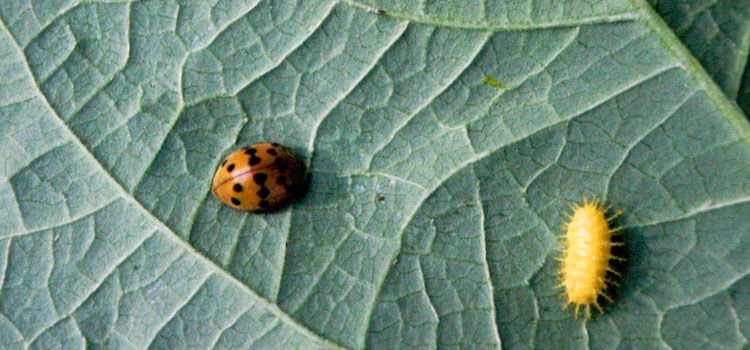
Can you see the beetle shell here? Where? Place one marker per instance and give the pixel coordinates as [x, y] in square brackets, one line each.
[263, 176]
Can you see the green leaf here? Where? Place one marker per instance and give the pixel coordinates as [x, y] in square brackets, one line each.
[743, 95]
[718, 34]
[444, 144]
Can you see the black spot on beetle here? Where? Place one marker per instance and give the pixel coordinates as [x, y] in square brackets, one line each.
[224, 162]
[281, 180]
[230, 167]
[281, 164]
[251, 151]
[235, 201]
[272, 152]
[263, 192]
[260, 178]
[275, 144]
[264, 204]
[254, 160]
[237, 188]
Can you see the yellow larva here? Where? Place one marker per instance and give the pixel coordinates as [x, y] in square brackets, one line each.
[586, 256]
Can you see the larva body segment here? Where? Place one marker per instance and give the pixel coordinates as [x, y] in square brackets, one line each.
[586, 256]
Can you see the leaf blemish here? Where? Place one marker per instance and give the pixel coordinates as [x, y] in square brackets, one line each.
[377, 11]
[488, 80]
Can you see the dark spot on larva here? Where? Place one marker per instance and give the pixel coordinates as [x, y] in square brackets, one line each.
[230, 167]
[281, 164]
[272, 152]
[281, 180]
[251, 151]
[237, 188]
[264, 204]
[275, 144]
[263, 192]
[235, 201]
[260, 178]
[254, 160]
[224, 162]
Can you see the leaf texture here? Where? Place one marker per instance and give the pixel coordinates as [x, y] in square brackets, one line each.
[435, 197]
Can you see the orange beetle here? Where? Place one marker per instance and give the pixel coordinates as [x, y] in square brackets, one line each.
[263, 176]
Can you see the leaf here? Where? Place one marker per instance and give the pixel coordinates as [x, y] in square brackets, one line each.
[718, 34]
[435, 198]
[743, 96]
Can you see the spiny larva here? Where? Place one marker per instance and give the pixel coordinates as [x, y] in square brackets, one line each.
[264, 176]
[586, 256]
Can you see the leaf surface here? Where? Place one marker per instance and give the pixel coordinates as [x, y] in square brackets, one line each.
[444, 145]
[718, 35]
